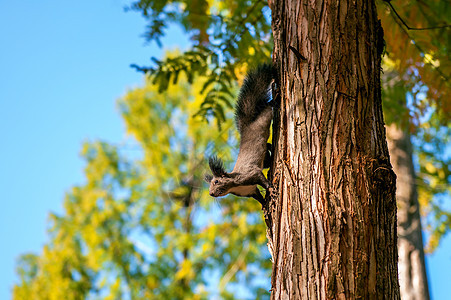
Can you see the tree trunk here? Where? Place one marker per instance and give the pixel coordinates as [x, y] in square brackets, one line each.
[332, 216]
[412, 270]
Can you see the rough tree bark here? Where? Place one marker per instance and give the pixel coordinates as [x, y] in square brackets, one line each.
[412, 270]
[332, 216]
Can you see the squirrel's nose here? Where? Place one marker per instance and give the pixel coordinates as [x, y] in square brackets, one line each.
[212, 194]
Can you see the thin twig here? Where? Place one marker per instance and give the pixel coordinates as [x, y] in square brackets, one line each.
[414, 28]
[445, 77]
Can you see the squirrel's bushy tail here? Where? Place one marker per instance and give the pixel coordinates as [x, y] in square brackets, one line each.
[254, 95]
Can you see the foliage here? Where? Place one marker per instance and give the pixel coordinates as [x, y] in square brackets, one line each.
[143, 226]
[421, 57]
[417, 94]
[434, 189]
[227, 36]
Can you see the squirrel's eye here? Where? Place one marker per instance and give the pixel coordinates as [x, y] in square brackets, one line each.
[216, 181]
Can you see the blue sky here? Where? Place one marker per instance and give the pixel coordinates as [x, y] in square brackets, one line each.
[62, 67]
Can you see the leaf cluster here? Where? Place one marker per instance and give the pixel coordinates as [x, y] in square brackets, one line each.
[432, 142]
[228, 37]
[143, 226]
[417, 96]
[420, 57]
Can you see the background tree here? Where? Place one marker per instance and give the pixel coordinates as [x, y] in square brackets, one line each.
[417, 90]
[143, 226]
[416, 101]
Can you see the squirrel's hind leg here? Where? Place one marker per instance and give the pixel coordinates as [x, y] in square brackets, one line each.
[257, 196]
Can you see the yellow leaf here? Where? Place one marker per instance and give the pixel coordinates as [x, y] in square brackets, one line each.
[430, 167]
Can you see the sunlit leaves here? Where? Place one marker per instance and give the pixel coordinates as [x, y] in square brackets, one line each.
[226, 37]
[422, 56]
[434, 189]
[142, 226]
[417, 93]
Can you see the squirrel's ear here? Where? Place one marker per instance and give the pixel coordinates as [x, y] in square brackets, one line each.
[208, 178]
[216, 166]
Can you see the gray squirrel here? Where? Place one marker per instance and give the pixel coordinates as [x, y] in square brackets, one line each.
[253, 116]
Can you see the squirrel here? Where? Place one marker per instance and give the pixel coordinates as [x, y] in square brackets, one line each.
[253, 116]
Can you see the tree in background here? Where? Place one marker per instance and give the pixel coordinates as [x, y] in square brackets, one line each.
[416, 93]
[143, 226]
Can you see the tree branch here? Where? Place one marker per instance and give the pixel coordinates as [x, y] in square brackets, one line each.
[413, 28]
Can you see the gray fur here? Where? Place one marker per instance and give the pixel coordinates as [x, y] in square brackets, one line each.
[253, 115]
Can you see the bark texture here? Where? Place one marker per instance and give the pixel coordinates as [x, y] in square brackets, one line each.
[412, 270]
[332, 216]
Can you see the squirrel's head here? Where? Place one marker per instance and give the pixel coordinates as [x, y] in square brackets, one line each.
[220, 181]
